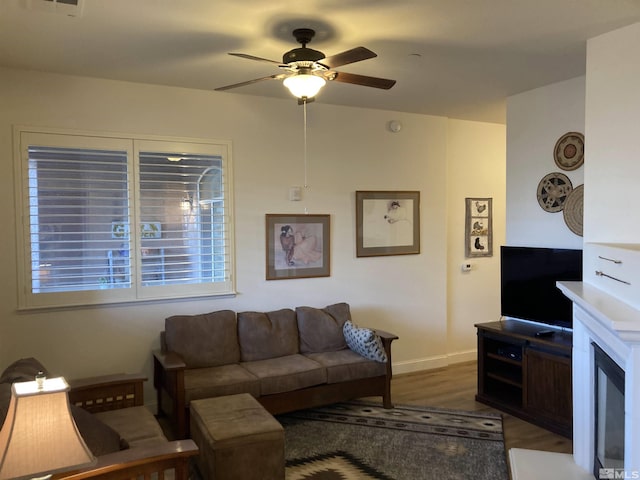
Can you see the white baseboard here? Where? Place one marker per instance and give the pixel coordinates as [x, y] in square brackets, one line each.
[432, 363]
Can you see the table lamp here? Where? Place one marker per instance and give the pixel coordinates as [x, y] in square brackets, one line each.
[39, 436]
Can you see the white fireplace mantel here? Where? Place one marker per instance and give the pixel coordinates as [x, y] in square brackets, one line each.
[614, 325]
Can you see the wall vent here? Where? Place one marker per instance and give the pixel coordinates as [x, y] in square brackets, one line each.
[71, 8]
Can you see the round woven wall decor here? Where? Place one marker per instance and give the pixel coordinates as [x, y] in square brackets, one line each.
[553, 191]
[573, 210]
[568, 152]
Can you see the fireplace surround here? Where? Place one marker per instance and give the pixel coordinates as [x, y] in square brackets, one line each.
[614, 326]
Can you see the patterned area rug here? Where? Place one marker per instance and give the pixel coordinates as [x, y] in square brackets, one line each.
[363, 441]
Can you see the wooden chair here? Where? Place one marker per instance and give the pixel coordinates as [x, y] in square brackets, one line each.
[165, 459]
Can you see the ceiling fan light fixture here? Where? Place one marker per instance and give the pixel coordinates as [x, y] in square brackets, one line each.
[304, 85]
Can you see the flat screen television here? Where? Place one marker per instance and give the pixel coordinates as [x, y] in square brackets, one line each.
[528, 283]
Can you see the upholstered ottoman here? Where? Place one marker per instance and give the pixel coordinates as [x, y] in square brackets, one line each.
[237, 438]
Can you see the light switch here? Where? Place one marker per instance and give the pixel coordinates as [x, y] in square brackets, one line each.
[295, 194]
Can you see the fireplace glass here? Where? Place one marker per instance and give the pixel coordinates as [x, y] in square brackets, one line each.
[609, 410]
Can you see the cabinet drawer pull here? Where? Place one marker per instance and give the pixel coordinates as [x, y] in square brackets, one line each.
[609, 259]
[602, 274]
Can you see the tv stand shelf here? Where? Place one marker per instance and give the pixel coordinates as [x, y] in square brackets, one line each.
[526, 375]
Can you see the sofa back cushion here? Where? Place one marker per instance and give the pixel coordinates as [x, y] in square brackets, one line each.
[23, 370]
[321, 329]
[205, 340]
[265, 335]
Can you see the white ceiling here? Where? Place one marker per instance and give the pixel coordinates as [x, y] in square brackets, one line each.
[454, 58]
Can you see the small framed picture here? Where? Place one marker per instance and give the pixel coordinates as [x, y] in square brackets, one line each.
[478, 228]
[297, 246]
[387, 223]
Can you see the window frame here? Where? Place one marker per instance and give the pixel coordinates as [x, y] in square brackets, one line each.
[133, 144]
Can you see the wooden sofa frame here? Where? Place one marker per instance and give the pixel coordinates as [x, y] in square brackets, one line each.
[99, 394]
[168, 379]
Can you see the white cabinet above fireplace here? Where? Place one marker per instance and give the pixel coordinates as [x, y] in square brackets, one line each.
[615, 269]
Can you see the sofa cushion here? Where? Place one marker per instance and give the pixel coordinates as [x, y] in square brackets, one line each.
[286, 374]
[321, 329]
[205, 340]
[365, 342]
[23, 370]
[218, 381]
[267, 334]
[99, 437]
[136, 425]
[346, 365]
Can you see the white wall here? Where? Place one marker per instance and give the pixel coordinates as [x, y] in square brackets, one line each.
[612, 217]
[476, 169]
[535, 121]
[613, 103]
[349, 149]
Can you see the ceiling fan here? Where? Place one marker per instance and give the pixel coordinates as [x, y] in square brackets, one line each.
[308, 70]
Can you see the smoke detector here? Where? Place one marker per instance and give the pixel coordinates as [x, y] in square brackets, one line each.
[70, 8]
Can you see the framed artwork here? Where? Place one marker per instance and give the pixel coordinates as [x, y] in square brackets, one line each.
[387, 223]
[478, 228]
[297, 246]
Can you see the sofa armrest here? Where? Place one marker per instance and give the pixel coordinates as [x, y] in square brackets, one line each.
[386, 335]
[169, 360]
[139, 462]
[387, 338]
[107, 392]
[168, 379]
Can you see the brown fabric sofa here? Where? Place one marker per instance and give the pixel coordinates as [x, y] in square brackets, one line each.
[288, 359]
[123, 435]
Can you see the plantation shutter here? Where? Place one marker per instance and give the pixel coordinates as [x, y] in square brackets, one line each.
[183, 219]
[110, 219]
[74, 196]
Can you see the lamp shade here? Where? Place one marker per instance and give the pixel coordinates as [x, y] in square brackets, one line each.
[304, 85]
[39, 435]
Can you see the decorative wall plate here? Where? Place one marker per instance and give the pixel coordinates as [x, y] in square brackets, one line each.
[573, 210]
[553, 191]
[569, 151]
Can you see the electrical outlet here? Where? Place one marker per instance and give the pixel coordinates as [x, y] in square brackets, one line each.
[466, 267]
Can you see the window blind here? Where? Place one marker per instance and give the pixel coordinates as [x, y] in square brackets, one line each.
[185, 195]
[76, 199]
[148, 220]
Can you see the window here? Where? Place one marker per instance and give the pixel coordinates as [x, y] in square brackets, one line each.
[111, 219]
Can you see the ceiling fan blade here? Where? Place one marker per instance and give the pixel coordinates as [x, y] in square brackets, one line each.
[350, 56]
[249, 82]
[259, 59]
[363, 80]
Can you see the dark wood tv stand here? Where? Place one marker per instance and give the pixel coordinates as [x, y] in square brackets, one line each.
[525, 375]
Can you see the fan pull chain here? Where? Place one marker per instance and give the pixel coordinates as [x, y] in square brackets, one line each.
[304, 107]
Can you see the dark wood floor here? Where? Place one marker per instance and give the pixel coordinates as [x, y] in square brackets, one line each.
[455, 387]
